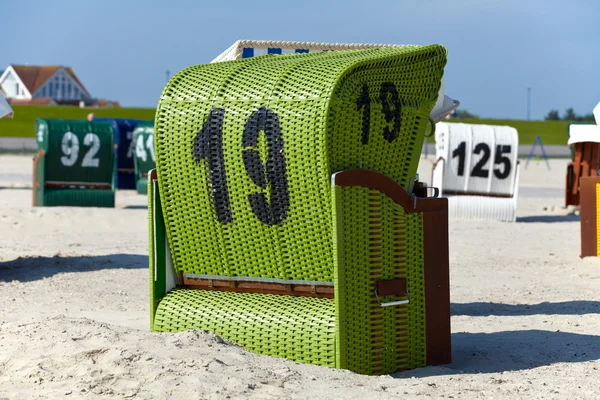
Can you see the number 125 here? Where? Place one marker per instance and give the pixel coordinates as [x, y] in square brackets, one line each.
[479, 170]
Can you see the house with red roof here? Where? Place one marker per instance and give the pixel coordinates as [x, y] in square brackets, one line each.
[46, 85]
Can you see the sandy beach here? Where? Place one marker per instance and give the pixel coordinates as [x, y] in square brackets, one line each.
[74, 321]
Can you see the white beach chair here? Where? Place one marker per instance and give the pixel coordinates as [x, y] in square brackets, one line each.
[478, 170]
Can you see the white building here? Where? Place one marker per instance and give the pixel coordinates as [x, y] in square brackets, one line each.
[5, 110]
[23, 84]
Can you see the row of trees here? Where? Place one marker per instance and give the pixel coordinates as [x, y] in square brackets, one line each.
[569, 115]
[553, 115]
[462, 114]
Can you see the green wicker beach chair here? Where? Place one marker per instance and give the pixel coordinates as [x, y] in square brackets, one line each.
[282, 215]
[75, 164]
[144, 159]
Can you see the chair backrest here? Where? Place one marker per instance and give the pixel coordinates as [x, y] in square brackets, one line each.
[143, 145]
[479, 159]
[245, 151]
[252, 48]
[585, 158]
[76, 152]
[581, 133]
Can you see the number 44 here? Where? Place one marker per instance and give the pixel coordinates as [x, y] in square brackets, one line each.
[479, 170]
[140, 151]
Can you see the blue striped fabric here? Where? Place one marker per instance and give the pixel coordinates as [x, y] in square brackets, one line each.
[248, 52]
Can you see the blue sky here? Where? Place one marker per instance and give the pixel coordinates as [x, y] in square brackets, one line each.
[497, 48]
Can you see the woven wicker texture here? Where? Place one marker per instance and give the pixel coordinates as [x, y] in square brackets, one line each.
[378, 241]
[253, 48]
[245, 150]
[298, 328]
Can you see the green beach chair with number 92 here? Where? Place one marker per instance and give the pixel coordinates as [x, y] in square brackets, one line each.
[284, 212]
[75, 164]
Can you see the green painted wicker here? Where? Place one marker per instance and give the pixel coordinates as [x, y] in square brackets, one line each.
[245, 152]
[376, 240]
[298, 328]
[75, 164]
[144, 159]
[79, 197]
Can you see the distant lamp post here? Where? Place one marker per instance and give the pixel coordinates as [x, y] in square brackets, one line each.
[168, 75]
[528, 104]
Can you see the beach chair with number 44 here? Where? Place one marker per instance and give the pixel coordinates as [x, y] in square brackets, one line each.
[144, 159]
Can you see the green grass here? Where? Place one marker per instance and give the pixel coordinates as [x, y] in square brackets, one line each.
[23, 123]
[551, 132]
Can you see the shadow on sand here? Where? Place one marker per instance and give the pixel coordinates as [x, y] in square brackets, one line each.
[549, 218]
[512, 351]
[29, 269]
[578, 307]
[136, 207]
[516, 350]
[471, 352]
[15, 188]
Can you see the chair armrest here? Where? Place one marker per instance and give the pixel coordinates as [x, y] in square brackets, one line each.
[382, 233]
[162, 275]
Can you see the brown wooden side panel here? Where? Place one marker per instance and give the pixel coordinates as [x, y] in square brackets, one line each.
[585, 163]
[571, 191]
[320, 291]
[594, 160]
[437, 286]
[588, 216]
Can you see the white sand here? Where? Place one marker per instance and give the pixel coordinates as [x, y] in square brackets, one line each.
[74, 318]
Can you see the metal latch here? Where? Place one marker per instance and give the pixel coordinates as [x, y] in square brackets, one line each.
[393, 287]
